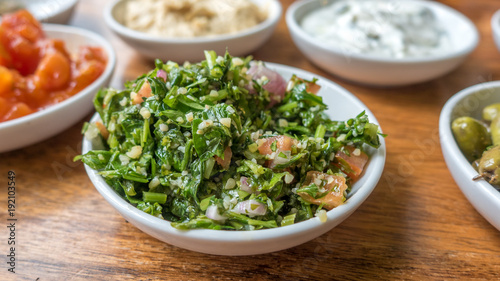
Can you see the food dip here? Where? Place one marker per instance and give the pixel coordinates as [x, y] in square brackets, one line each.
[397, 29]
[192, 18]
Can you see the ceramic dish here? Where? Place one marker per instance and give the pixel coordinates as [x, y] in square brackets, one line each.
[180, 49]
[495, 28]
[47, 11]
[54, 119]
[470, 102]
[379, 71]
[342, 105]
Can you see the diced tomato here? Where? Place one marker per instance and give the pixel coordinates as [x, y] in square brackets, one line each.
[25, 23]
[283, 143]
[144, 92]
[36, 98]
[19, 33]
[48, 46]
[87, 73]
[5, 59]
[4, 107]
[102, 129]
[6, 81]
[228, 153]
[18, 110]
[334, 185]
[311, 87]
[88, 53]
[53, 72]
[351, 164]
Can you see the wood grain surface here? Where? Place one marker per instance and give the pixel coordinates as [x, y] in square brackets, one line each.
[416, 225]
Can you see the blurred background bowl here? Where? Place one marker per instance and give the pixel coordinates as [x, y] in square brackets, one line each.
[495, 28]
[56, 118]
[470, 102]
[47, 11]
[191, 49]
[385, 71]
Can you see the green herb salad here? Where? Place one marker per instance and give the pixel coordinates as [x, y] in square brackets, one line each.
[226, 143]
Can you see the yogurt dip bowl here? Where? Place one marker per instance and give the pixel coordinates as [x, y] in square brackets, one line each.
[379, 70]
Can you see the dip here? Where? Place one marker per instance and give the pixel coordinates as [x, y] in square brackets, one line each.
[192, 18]
[396, 29]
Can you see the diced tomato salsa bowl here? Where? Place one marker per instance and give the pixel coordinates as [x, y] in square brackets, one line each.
[33, 105]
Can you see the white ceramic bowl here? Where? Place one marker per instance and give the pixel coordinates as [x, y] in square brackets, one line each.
[495, 28]
[47, 11]
[191, 49]
[43, 124]
[470, 102]
[381, 71]
[342, 105]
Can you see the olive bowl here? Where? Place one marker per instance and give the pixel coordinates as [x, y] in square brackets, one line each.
[470, 102]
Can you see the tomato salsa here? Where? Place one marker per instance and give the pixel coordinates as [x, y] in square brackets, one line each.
[35, 71]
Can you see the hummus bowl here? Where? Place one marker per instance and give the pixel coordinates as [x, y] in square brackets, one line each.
[191, 49]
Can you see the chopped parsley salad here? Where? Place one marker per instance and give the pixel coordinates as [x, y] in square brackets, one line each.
[227, 144]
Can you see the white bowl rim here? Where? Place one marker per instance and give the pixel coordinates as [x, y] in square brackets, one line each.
[481, 186]
[353, 202]
[270, 21]
[102, 43]
[62, 6]
[456, 52]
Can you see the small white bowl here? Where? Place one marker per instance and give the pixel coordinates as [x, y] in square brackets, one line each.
[191, 49]
[342, 105]
[470, 102]
[47, 11]
[54, 119]
[495, 28]
[385, 71]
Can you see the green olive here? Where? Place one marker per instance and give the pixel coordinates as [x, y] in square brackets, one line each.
[475, 165]
[495, 130]
[491, 111]
[489, 165]
[472, 137]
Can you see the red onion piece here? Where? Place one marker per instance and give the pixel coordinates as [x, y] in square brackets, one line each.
[251, 208]
[213, 213]
[276, 85]
[244, 185]
[162, 74]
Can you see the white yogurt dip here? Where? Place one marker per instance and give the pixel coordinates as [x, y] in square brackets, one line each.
[397, 29]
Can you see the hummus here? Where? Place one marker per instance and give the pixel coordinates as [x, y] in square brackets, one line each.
[191, 18]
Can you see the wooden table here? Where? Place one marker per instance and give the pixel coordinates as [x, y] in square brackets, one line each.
[415, 225]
